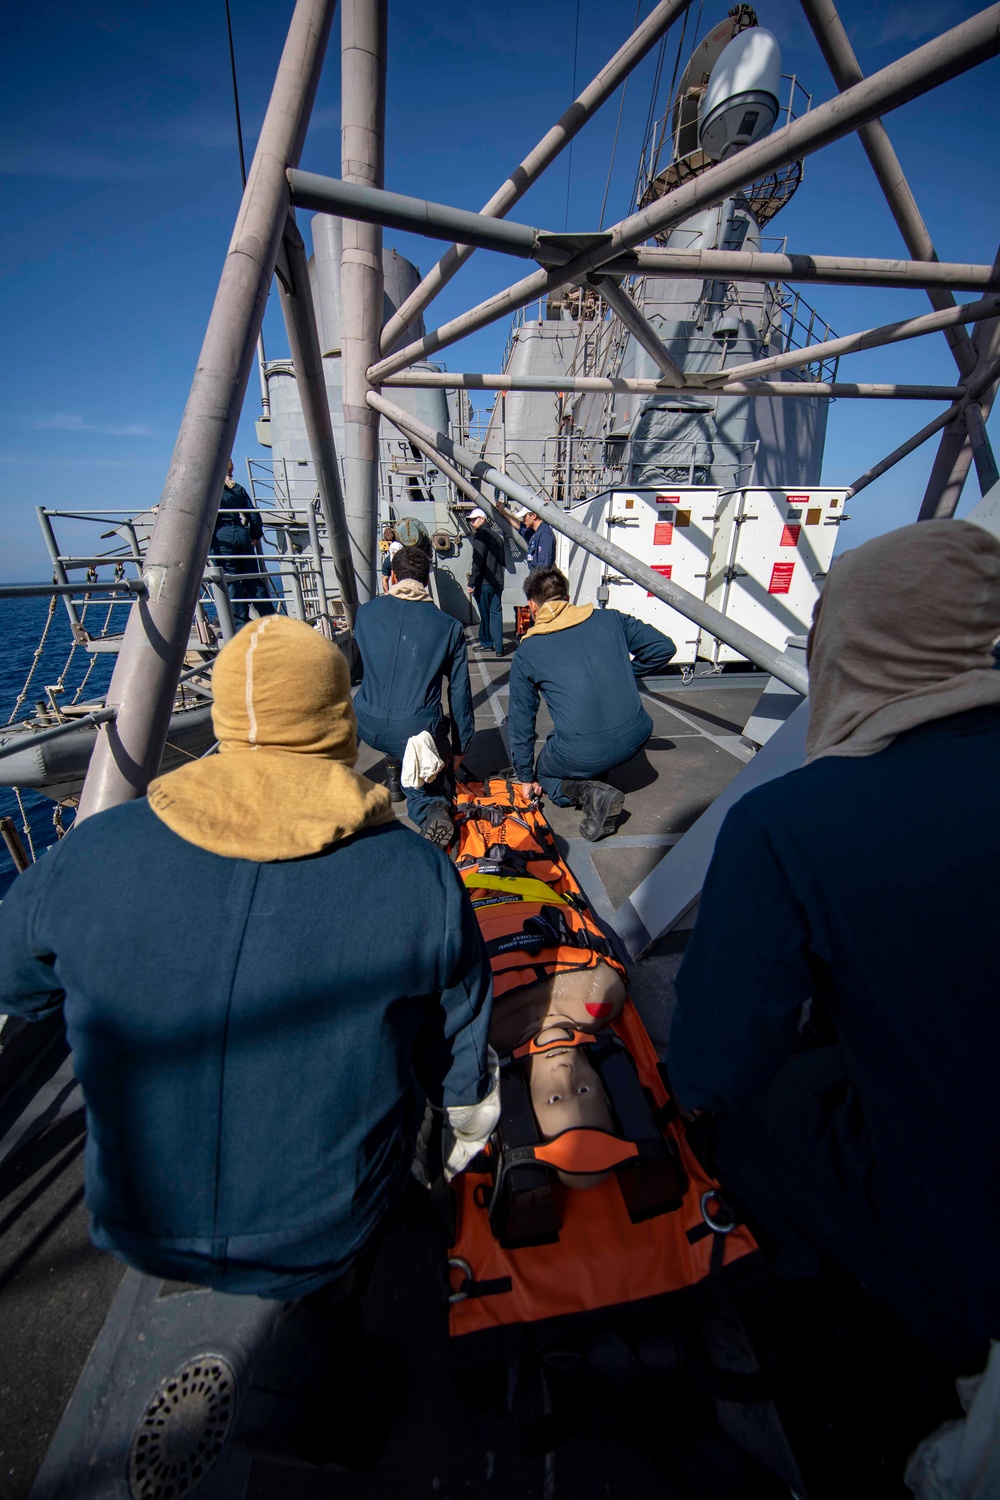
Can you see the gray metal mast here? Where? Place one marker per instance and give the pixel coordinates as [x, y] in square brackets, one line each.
[363, 30]
[127, 753]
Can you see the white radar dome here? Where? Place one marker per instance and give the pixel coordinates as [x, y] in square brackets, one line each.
[741, 100]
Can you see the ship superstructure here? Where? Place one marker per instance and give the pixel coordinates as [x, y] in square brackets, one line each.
[662, 401]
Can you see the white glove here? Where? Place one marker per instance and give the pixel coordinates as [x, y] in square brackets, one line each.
[468, 1127]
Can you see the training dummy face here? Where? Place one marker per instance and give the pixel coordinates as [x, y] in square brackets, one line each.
[567, 1094]
[586, 1000]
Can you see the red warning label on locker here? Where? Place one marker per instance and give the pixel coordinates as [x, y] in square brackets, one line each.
[797, 499]
[781, 578]
[663, 533]
[790, 536]
[665, 569]
[668, 499]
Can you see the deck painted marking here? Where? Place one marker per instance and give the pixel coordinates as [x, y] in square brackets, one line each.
[494, 702]
[731, 743]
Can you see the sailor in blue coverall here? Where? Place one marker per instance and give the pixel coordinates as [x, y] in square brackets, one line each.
[408, 647]
[238, 528]
[868, 883]
[585, 663]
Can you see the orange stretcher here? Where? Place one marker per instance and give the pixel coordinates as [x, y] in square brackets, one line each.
[653, 1238]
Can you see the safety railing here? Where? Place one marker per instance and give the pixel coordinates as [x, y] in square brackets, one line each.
[677, 131]
[289, 562]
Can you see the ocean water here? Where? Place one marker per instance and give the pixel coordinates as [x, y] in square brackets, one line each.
[22, 622]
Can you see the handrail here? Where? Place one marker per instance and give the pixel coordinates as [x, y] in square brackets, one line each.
[134, 586]
[20, 741]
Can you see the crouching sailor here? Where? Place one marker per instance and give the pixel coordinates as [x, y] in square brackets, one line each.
[578, 659]
[408, 649]
[868, 881]
[254, 1056]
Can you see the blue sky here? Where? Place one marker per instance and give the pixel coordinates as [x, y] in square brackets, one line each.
[121, 183]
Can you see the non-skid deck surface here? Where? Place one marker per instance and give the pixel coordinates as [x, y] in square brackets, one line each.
[76, 1330]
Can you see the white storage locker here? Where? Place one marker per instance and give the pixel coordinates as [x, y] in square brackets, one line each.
[671, 531]
[773, 549]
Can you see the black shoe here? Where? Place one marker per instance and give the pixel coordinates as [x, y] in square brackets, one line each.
[393, 772]
[439, 825]
[500, 654]
[600, 804]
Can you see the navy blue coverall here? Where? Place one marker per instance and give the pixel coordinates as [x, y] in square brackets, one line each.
[587, 675]
[237, 528]
[870, 884]
[541, 542]
[486, 580]
[254, 1053]
[408, 647]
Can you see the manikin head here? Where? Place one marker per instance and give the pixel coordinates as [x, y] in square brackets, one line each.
[567, 1094]
[543, 585]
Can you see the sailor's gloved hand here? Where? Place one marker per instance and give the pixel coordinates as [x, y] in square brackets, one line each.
[462, 1131]
[468, 1127]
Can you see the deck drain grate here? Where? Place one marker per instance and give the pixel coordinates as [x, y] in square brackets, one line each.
[183, 1430]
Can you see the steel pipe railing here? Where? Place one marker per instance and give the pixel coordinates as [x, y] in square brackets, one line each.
[17, 741]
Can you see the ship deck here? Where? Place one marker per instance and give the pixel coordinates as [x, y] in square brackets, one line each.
[86, 1343]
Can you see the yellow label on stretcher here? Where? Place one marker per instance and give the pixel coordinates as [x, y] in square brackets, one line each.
[522, 886]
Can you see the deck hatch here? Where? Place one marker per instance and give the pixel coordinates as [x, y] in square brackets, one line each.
[183, 1430]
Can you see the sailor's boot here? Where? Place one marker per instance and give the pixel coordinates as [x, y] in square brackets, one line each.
[393, 772]
[600, 804]
[439, 826]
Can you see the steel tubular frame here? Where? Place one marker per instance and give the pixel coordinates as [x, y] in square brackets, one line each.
[950, 54]
[829, 32]
[127, 753]
[977, 385]
[303, 338]
[437, 221]
[141, 693]
[363, 32]
[446, 380]
[534, 164]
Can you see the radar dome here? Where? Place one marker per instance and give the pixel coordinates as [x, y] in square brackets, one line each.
[741, 100]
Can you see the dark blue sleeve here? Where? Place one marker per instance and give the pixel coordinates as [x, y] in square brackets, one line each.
[522, 710]
[460, 692]
[476, 571]
[451, 1061]
[545, 556]
[746, 973]
[254, 523]
[650, 649]
[29, 986]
